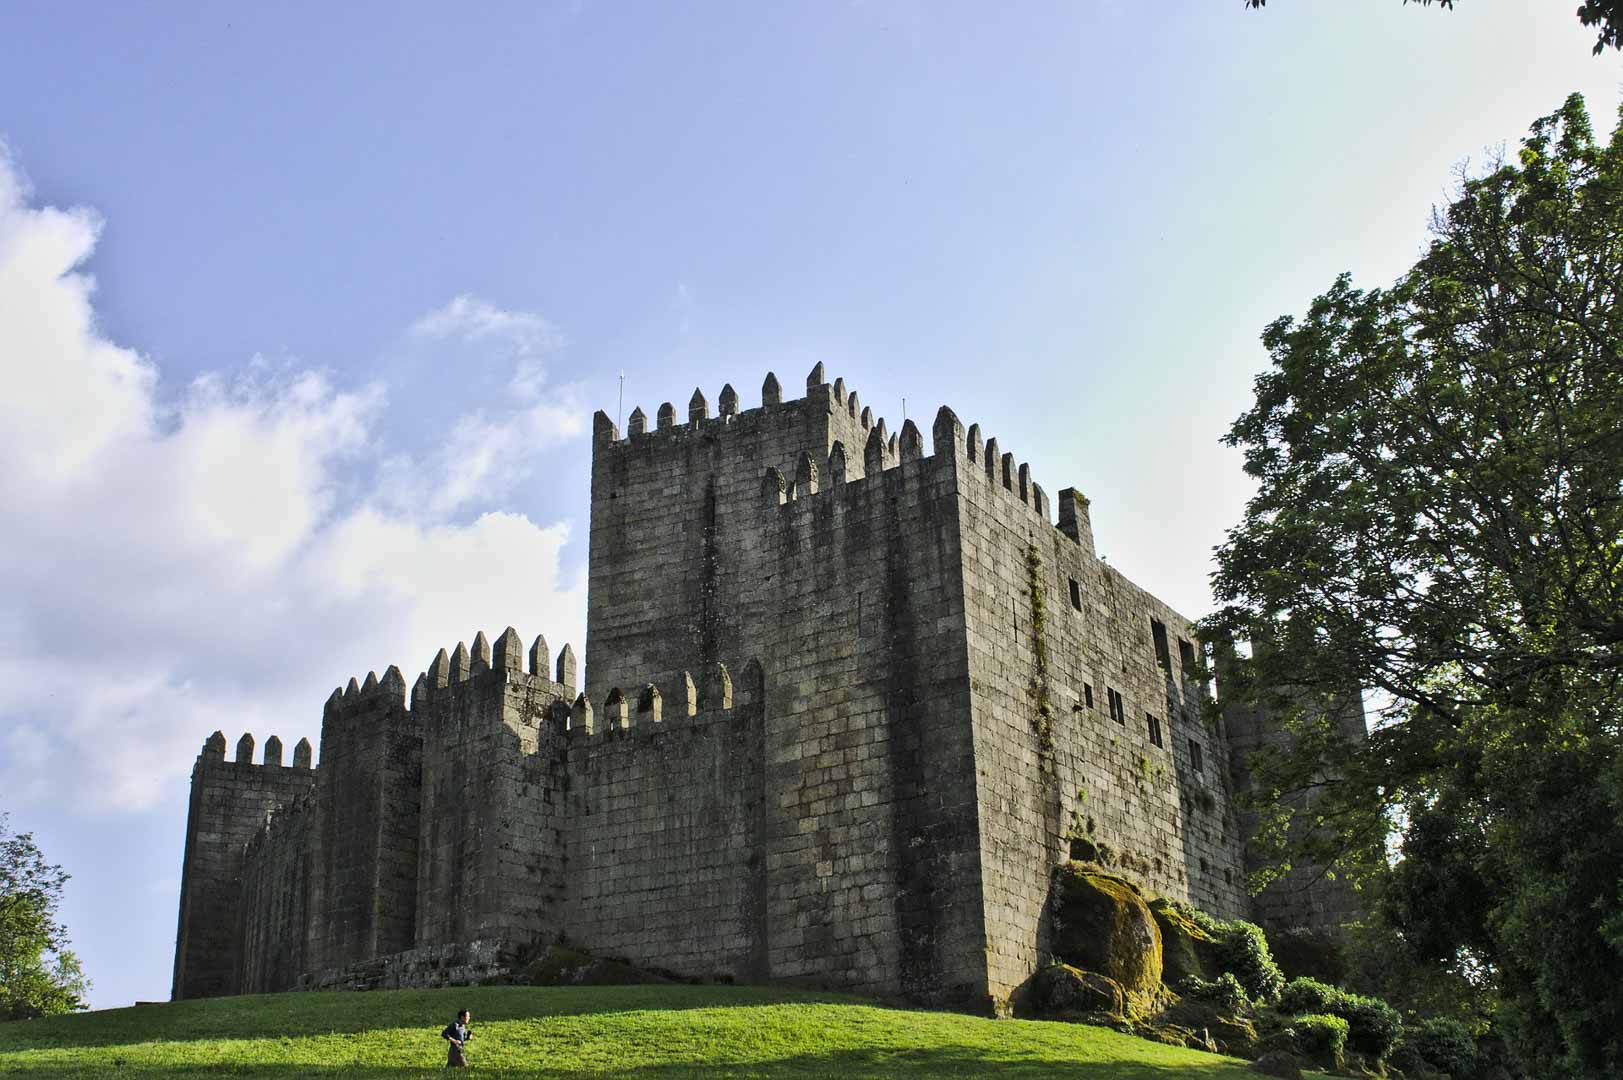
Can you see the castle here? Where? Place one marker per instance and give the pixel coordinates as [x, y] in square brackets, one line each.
[848, 704]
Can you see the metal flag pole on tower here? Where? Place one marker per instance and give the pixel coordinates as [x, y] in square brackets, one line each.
[621, 407]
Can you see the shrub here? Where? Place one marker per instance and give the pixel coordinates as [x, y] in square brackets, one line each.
[1321, 1038]
[1225, 992]
[1307, 996]
[1242, 950]
[1374, 1025]
[1444, 1044]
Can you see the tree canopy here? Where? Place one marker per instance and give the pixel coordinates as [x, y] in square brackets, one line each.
[39, 975]
[1607, 15]
[1439, 517]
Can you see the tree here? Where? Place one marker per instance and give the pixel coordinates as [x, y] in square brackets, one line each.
[1439, 517]
[39, 975]
[1606, 14]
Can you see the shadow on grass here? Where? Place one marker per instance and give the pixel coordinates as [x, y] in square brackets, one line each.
[352, 1013]
[845, 1065]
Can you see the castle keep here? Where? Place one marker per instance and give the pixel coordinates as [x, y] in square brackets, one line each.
[850, 699]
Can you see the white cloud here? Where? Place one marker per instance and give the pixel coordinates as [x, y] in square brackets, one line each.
[470, 318]
[485, 453]
[174, 565]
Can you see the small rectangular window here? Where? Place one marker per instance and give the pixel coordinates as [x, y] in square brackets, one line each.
[1186, 657]
[1117, 712]
[1155, 729]
[1087, 694]
[1196, 762]
[1158, 631]
[1076, 595]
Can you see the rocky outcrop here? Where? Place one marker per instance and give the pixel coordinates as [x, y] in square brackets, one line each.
[1186, 949]
[1103, 924]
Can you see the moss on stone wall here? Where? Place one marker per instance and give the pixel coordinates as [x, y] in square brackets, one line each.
[1043, 722]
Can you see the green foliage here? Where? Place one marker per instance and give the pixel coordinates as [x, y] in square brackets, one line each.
[39, 975]
[1373, 1025]
[1321, 1038]
[1438, 517]
[1242, 950]
[1044, 721]
[1224, 991]
[1307, 996]
[1380, 963]
[1443, 1044]
[666, 1032]
[1607, 15]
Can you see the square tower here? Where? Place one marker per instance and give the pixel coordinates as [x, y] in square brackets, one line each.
[955, 689]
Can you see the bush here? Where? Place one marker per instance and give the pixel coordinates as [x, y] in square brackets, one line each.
[1307, 996]
[1374, 1026]
[1242, 950]
[1225, 992]
[1321, 1038]
[1444, 1044]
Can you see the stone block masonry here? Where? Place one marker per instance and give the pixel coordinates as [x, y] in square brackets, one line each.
[231, 801]
[849, 703]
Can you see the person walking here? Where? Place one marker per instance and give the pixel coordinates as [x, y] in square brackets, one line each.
[458, 1033]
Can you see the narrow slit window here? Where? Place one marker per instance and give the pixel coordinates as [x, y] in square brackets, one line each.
[1155, 729]
[1076, 595]
[1087, 694]
[1186, 657]
[1117, 712]
[1196, 761]
[1158, 631]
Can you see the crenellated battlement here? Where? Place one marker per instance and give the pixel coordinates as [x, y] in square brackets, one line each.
[880, 449]
[504, 663]
[821, 398]
[214, 751]
[683, 703]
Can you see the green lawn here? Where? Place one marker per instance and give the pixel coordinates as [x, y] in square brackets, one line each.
[638, 1031]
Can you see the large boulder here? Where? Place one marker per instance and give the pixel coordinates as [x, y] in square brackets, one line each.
[1186, 949]
[1278, 1063]
[1234, 1035]
[560, 965]
[1102, 923]
[1062, 990]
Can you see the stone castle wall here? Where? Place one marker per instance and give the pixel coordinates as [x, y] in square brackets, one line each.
[666, 836]
[230, 803]
[274, 910]
[363, 834]
[936, 693]
[1303, 895]
[490, 855]
[802, 533]
[1088, 713]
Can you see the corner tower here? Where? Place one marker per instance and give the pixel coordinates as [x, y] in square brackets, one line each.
[804, 534]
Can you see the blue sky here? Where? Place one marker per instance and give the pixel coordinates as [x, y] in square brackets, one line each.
[304, 309]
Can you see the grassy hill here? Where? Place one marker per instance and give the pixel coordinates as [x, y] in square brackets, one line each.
[637, 1031]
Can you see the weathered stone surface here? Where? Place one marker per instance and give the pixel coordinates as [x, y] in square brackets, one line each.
[472, 963]
[1186, 949]
[559, 965]
[1278, 1063]
[1103, 924]
[1234, 1035]
[1060, 990]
